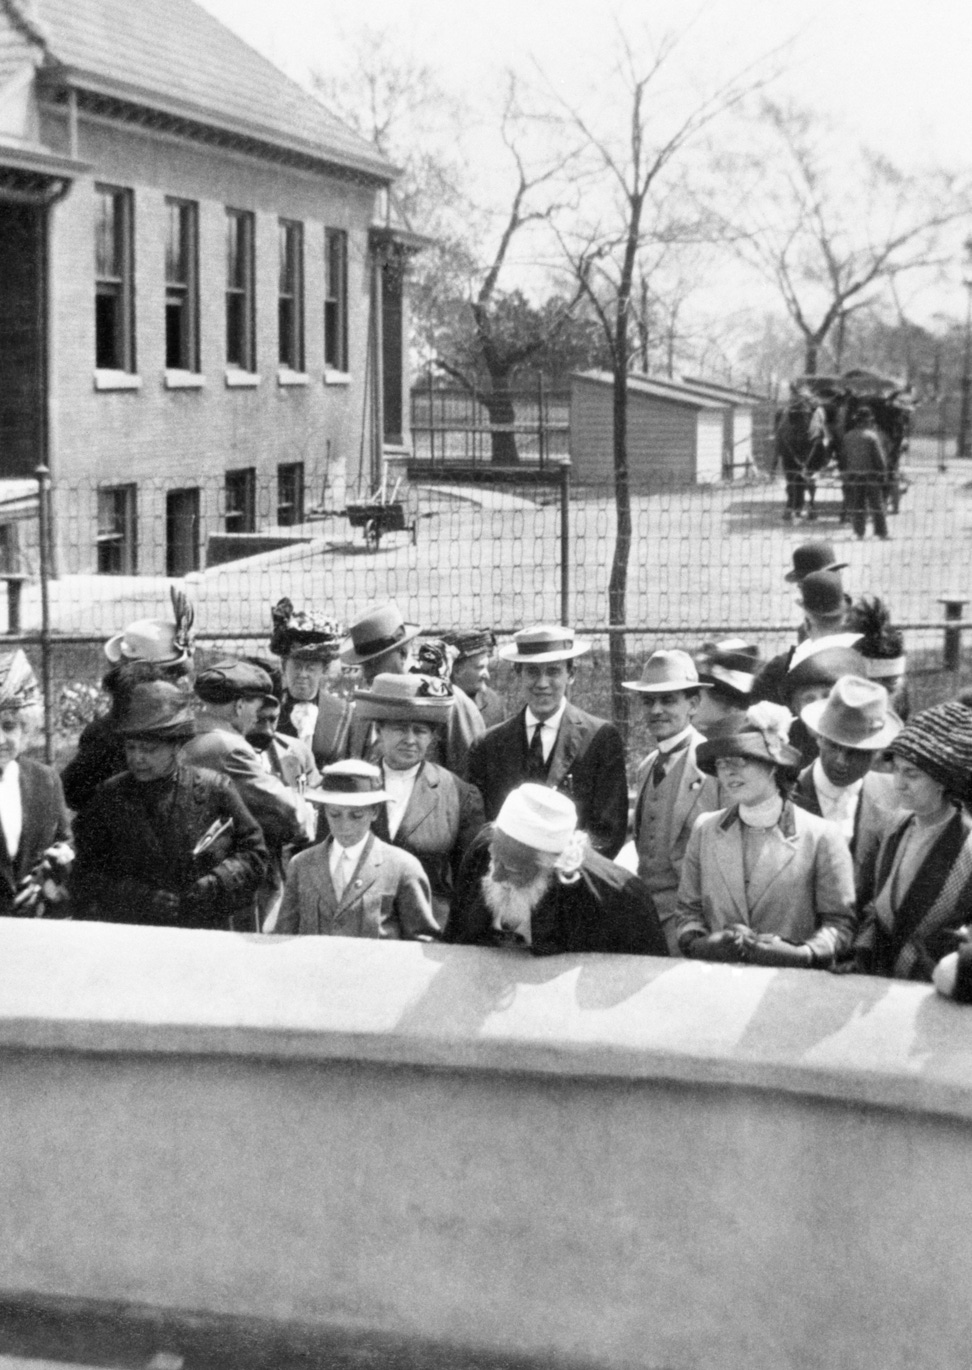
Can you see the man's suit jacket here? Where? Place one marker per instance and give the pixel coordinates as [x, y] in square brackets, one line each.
[606, 909]
[586, 764]
[387, 896]
[441, 819]
[45, 822]
[802, 888]
[878, 809]
[330, 740]
[218, 747]
[292, 761]
[697, 793]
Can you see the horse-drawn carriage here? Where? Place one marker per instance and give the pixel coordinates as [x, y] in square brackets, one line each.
[809, 434]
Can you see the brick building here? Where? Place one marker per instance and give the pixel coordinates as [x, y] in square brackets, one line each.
[201, 307]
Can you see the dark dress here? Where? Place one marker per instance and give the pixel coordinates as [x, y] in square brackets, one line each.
[100, 755]
[606, 909]
[135, 861]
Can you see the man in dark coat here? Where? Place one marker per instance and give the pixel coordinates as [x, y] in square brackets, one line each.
[865, 472]
[552, 742]
[531, 881]
[166, 844]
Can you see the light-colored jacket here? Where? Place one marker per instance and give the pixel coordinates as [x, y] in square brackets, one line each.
[802, 889]
[697, 793]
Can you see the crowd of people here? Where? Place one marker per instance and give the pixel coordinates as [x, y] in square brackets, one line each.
[790, 812]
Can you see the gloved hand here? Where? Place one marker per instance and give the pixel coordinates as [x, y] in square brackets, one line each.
[164, 906]
[725, 945]
[774, 951]
[200, 893]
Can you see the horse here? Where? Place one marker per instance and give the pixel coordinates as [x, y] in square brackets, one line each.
[803, 445]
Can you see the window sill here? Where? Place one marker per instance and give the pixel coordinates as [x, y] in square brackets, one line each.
[117, 380]
[287, 377]
[184, 380]
[337, 377]
[242, 380]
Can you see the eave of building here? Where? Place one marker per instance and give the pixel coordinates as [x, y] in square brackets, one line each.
[388, 236]
[33, 174]
[127, 104]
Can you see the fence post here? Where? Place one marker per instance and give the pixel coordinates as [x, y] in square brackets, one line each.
[952, 646]
[431, 420]
[44, 535]
[540, 427]
[565, 543]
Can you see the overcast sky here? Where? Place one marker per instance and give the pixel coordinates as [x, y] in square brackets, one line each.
[896, 76]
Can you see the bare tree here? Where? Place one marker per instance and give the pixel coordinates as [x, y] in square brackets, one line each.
[633, 160]
[833, 232]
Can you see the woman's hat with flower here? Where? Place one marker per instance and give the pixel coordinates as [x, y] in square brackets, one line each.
[761, 734]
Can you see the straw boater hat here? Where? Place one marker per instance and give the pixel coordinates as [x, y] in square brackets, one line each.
[731, 663]
[543, 642]
[405, 699]
[762, 733]
[351, 784]
[538, 817]
[813, 556]
[376, 632]
[160, 710]
[855, 714]
[302, 635]
[939, 742]
[667, 671]
[156, 639]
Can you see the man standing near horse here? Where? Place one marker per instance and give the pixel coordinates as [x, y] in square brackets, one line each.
[865, 471]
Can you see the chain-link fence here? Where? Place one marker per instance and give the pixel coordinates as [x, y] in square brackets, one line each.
[705, 560]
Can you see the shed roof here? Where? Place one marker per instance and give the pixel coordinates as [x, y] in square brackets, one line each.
[174, 57]
[670, 392]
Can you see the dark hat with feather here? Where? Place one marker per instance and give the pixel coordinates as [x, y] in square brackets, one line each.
[881, 644]
[303, 635]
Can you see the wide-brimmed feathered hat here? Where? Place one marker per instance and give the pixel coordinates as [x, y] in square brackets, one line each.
[405, 699]
[762, 733]
[302, 634]
[939, 742]
[156, 639]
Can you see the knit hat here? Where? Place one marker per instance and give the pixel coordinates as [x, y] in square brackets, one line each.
[762, 733]
[538, 817]
[813, 556]
[303, 635]
[939, 742]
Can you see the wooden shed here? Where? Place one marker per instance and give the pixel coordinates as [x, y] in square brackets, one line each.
[676, 434]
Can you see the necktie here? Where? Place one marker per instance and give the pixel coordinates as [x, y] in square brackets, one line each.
[342, 874]
[536, 766]
[664, 760]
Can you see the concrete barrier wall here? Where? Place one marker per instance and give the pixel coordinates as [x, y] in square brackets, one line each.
[617, 1161]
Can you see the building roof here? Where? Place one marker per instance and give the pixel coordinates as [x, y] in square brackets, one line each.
[172, 56]
[673, 392]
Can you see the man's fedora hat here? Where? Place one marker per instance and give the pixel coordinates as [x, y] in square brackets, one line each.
[158, 709]
[665, 671]
[543, 642]
[376, 632]
[538, 817]
[405, 699]
[229, 680]
[855, 714]
[352, 784]
[813, 556]
[760, 734]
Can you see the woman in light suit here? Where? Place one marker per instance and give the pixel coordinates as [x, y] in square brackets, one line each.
[763, 880]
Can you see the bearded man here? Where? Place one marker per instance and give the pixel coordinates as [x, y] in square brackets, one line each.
[532, 881]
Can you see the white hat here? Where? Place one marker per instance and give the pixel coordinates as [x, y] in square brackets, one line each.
[350, 784]
[538, 817]
[543, 642]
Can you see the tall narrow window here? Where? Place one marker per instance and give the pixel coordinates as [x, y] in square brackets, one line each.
[291, 295]
[290, 494]
[241, 500]
[117, 542]
[181, 286]
[336, 299]
[240, 312]
[114, 296]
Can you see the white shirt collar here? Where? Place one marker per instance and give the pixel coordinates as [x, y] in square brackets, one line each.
[552, 722]
[11, 808]
[670, 743]
[353, 853]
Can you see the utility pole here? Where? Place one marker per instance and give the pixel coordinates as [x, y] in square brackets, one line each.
[964, 413]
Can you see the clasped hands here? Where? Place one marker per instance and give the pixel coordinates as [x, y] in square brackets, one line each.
[739, 943]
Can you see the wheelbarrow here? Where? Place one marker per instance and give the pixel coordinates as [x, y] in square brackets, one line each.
[379, 515]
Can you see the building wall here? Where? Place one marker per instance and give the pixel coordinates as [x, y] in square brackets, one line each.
[170, 438]
[603, 1160]
[661, 435]
[710, 445]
